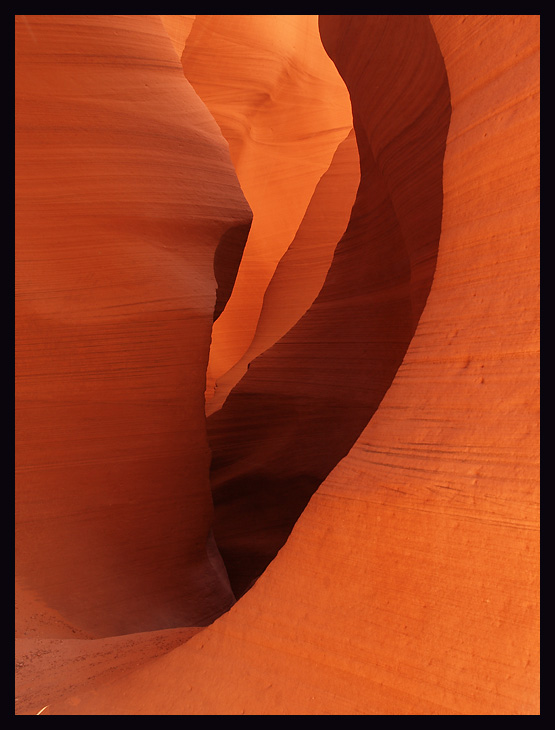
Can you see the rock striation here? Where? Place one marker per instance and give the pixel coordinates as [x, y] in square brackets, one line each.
[394, 427]
[125, 192]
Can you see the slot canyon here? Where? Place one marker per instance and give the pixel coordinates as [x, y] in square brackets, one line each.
[277, 378]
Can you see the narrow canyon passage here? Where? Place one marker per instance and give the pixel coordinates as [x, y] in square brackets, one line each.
[277, 365]
[303, 403]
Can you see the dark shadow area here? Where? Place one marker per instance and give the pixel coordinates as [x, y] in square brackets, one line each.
[226, 263]
[304, 402]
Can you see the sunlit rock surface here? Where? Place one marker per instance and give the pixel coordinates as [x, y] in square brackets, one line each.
[302, 269]
[407, 394]
[284, 109]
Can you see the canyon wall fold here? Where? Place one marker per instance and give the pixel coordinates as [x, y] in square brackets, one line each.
[283, 109]
[304, 402]
[124, 192]
[302, 269]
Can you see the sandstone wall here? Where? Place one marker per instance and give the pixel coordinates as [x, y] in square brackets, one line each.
[410, 582]
[283, 109]
[124, 191]
[305, 401]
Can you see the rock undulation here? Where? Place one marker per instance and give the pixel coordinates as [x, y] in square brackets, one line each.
[283, 109]
[302, 269]
[304, 402]
[125, 191]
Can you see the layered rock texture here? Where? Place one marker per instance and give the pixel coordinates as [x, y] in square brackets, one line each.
[358, 516]
[125, 192]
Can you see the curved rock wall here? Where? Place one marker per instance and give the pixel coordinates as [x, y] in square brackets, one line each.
[124, 191]
[302, 269]
[283, 109]
[304, 402]
[410, 583]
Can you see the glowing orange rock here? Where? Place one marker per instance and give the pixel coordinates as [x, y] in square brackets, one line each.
[410, 583]
[284, 110]
[178, 28]
[301, 272]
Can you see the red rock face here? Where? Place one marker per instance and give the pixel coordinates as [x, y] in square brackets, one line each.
[125, 195]
[405, 392]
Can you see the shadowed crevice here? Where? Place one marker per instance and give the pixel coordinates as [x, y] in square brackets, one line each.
[227, 258]
[303, 403]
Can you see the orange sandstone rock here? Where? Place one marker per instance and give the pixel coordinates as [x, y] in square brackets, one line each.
[48, 669]
[284, 110]
[410, 583]
[124, 192]
[305, 401]
[301, 272]
[178, 28]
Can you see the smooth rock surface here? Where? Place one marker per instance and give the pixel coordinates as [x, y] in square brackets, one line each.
[49, 669]
[283, 109]
[305, 401]
[124, 191]
[410, 583]
[302, 269]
